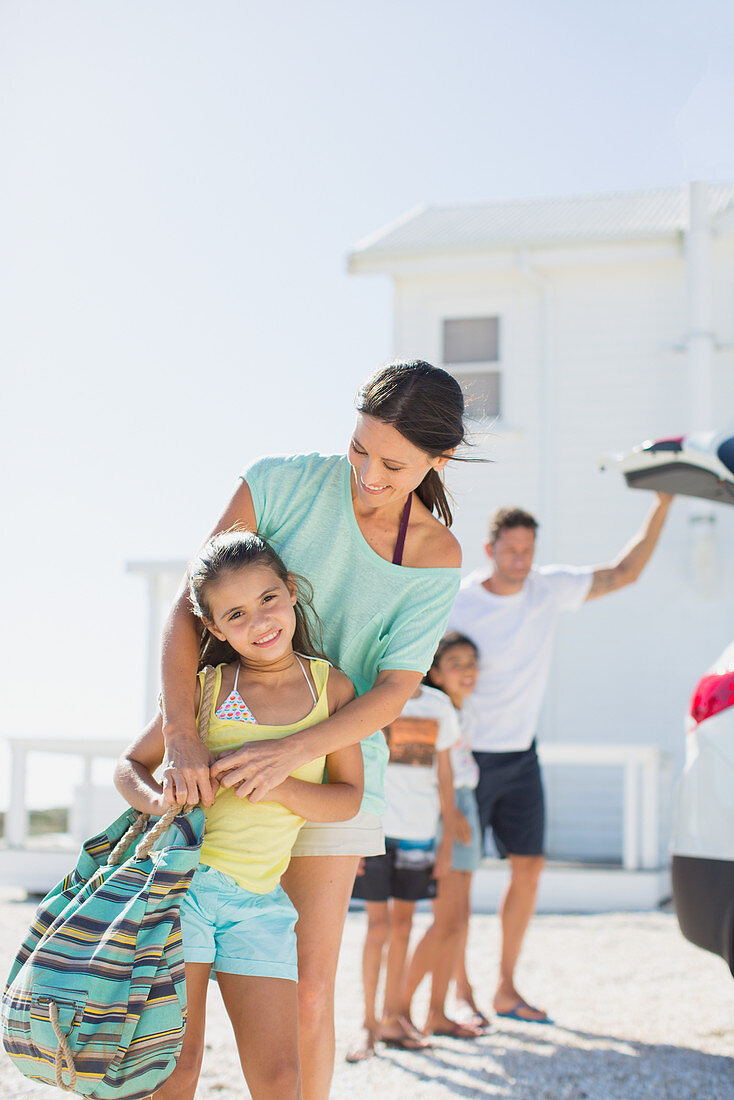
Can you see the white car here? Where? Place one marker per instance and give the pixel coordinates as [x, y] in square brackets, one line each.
[700, 465]
[703, 831]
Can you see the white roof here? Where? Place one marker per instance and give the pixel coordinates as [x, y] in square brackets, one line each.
[620, 216]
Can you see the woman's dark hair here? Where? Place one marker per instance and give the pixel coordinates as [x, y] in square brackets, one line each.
[226, 553]
[449, 641]
[426, 405]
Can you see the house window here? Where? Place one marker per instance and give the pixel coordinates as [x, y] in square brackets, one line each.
[470, 347]
[481, 393]
[471, 340]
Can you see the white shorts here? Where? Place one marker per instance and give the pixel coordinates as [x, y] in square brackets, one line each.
[362, 836]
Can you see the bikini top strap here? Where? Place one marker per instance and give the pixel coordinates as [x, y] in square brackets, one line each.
[307, 679]
[397, 558]
[236, 676]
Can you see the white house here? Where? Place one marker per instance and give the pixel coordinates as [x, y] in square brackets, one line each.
[580, 327]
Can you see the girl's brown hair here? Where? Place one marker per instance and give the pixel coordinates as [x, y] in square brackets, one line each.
[226, 553]
[426, 405]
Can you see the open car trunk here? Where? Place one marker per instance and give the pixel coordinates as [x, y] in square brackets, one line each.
[697, 465]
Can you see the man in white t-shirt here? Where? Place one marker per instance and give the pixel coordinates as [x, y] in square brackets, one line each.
[510, 612]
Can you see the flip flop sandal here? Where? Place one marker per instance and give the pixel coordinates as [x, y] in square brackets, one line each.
[359, 1054]
[458, 1031]
[406, 1042]
[514, 1014]
[362, 1049]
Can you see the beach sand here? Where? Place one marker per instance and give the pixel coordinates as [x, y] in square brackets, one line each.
[639, 1013]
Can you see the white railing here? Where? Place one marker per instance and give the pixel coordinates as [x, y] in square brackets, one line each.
[161, 580]
[641, 804]
[16, 822]
[641, 763]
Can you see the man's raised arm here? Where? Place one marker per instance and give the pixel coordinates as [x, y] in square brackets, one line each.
[634, 557]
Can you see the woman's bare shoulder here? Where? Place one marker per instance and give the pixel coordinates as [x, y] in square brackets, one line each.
[443, 550]
[434, 546]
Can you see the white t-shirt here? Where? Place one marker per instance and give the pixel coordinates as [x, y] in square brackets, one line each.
[427, 725]
[514, 635]
[463, 764]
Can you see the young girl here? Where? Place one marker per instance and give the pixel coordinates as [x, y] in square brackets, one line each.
[419, 787]
[236, 919]
[443, 947]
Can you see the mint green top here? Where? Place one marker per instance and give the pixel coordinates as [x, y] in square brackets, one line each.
[375, 615]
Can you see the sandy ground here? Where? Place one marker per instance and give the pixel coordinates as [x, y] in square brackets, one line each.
[639, 1014]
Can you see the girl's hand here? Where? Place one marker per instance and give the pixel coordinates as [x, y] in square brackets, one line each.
[442, 863]
[461, 828]
[186, 778]
[256, 768]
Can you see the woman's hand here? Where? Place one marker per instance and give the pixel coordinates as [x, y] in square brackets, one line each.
[256, 768]
[186, 776]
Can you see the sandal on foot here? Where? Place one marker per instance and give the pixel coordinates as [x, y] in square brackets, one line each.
[515, 1013]
[406, 1042]
[457, 1031]
[363, 1050]
[472, 1017]
[359, 1054]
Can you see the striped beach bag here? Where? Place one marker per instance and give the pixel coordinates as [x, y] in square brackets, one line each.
[96, 999]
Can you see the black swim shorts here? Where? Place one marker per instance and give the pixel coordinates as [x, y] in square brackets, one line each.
[404, 874]
[511, 802]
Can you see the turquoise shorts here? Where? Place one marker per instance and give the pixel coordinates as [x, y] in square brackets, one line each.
[238, 932]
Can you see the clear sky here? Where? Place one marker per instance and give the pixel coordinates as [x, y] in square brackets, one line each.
[181, 184]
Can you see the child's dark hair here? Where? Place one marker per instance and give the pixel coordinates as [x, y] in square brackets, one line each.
[226, 553]
[426, 405]
[449, 641]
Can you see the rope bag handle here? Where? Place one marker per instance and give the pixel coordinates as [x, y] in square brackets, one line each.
[148, 842]
[63, 1052]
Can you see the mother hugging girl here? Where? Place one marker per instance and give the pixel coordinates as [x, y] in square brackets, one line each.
[369, 530]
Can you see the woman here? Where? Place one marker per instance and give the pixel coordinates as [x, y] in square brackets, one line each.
[385, 571]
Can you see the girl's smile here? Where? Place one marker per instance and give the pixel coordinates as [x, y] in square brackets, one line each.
[253, 610]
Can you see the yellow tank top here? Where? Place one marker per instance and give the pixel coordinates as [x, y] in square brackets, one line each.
[252, 841]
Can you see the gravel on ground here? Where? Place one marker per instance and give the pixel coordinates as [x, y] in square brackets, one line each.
[639, 1013]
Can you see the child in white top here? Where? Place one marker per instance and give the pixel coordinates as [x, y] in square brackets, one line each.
[442, 948]
[418, 789]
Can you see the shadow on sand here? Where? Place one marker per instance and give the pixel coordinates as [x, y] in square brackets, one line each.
[543, 1065]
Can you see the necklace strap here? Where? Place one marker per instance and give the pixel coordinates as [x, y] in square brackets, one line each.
[397, 558]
